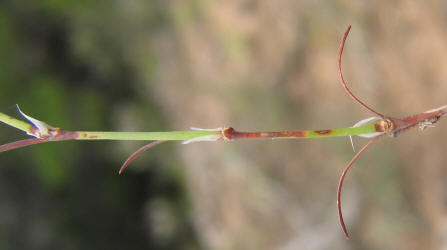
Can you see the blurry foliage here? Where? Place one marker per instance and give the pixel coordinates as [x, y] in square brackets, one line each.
[63, 61]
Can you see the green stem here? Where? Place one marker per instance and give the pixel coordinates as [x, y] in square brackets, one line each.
[365, 129]
[13, 122]
[194, 135]
[99, 135]
[188, 135]
[144, 136]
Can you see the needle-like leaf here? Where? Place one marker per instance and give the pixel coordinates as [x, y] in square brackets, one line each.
[137, 153]
[342, 178]
[342, 80]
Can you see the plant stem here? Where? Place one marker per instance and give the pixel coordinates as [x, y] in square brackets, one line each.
[13, 122]
[200, 135]
[144, 136]
[232, 134]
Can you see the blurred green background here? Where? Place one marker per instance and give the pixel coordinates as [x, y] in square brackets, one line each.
[142, 65]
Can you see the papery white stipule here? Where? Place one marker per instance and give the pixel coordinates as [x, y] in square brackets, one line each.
[367, 135]
[43, 129]
[215, 137]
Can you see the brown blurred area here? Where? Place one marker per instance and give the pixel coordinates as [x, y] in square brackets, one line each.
[272, 65]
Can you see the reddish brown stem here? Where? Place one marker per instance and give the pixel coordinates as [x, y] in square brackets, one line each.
[137, 153]
[401, 125]
[342, 80]
[231, 134]
[342, 178]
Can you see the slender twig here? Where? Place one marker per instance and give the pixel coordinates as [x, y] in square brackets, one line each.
[374, 128]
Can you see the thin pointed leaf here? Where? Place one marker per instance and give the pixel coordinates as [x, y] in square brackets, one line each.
[137, 153]
[342, 178]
